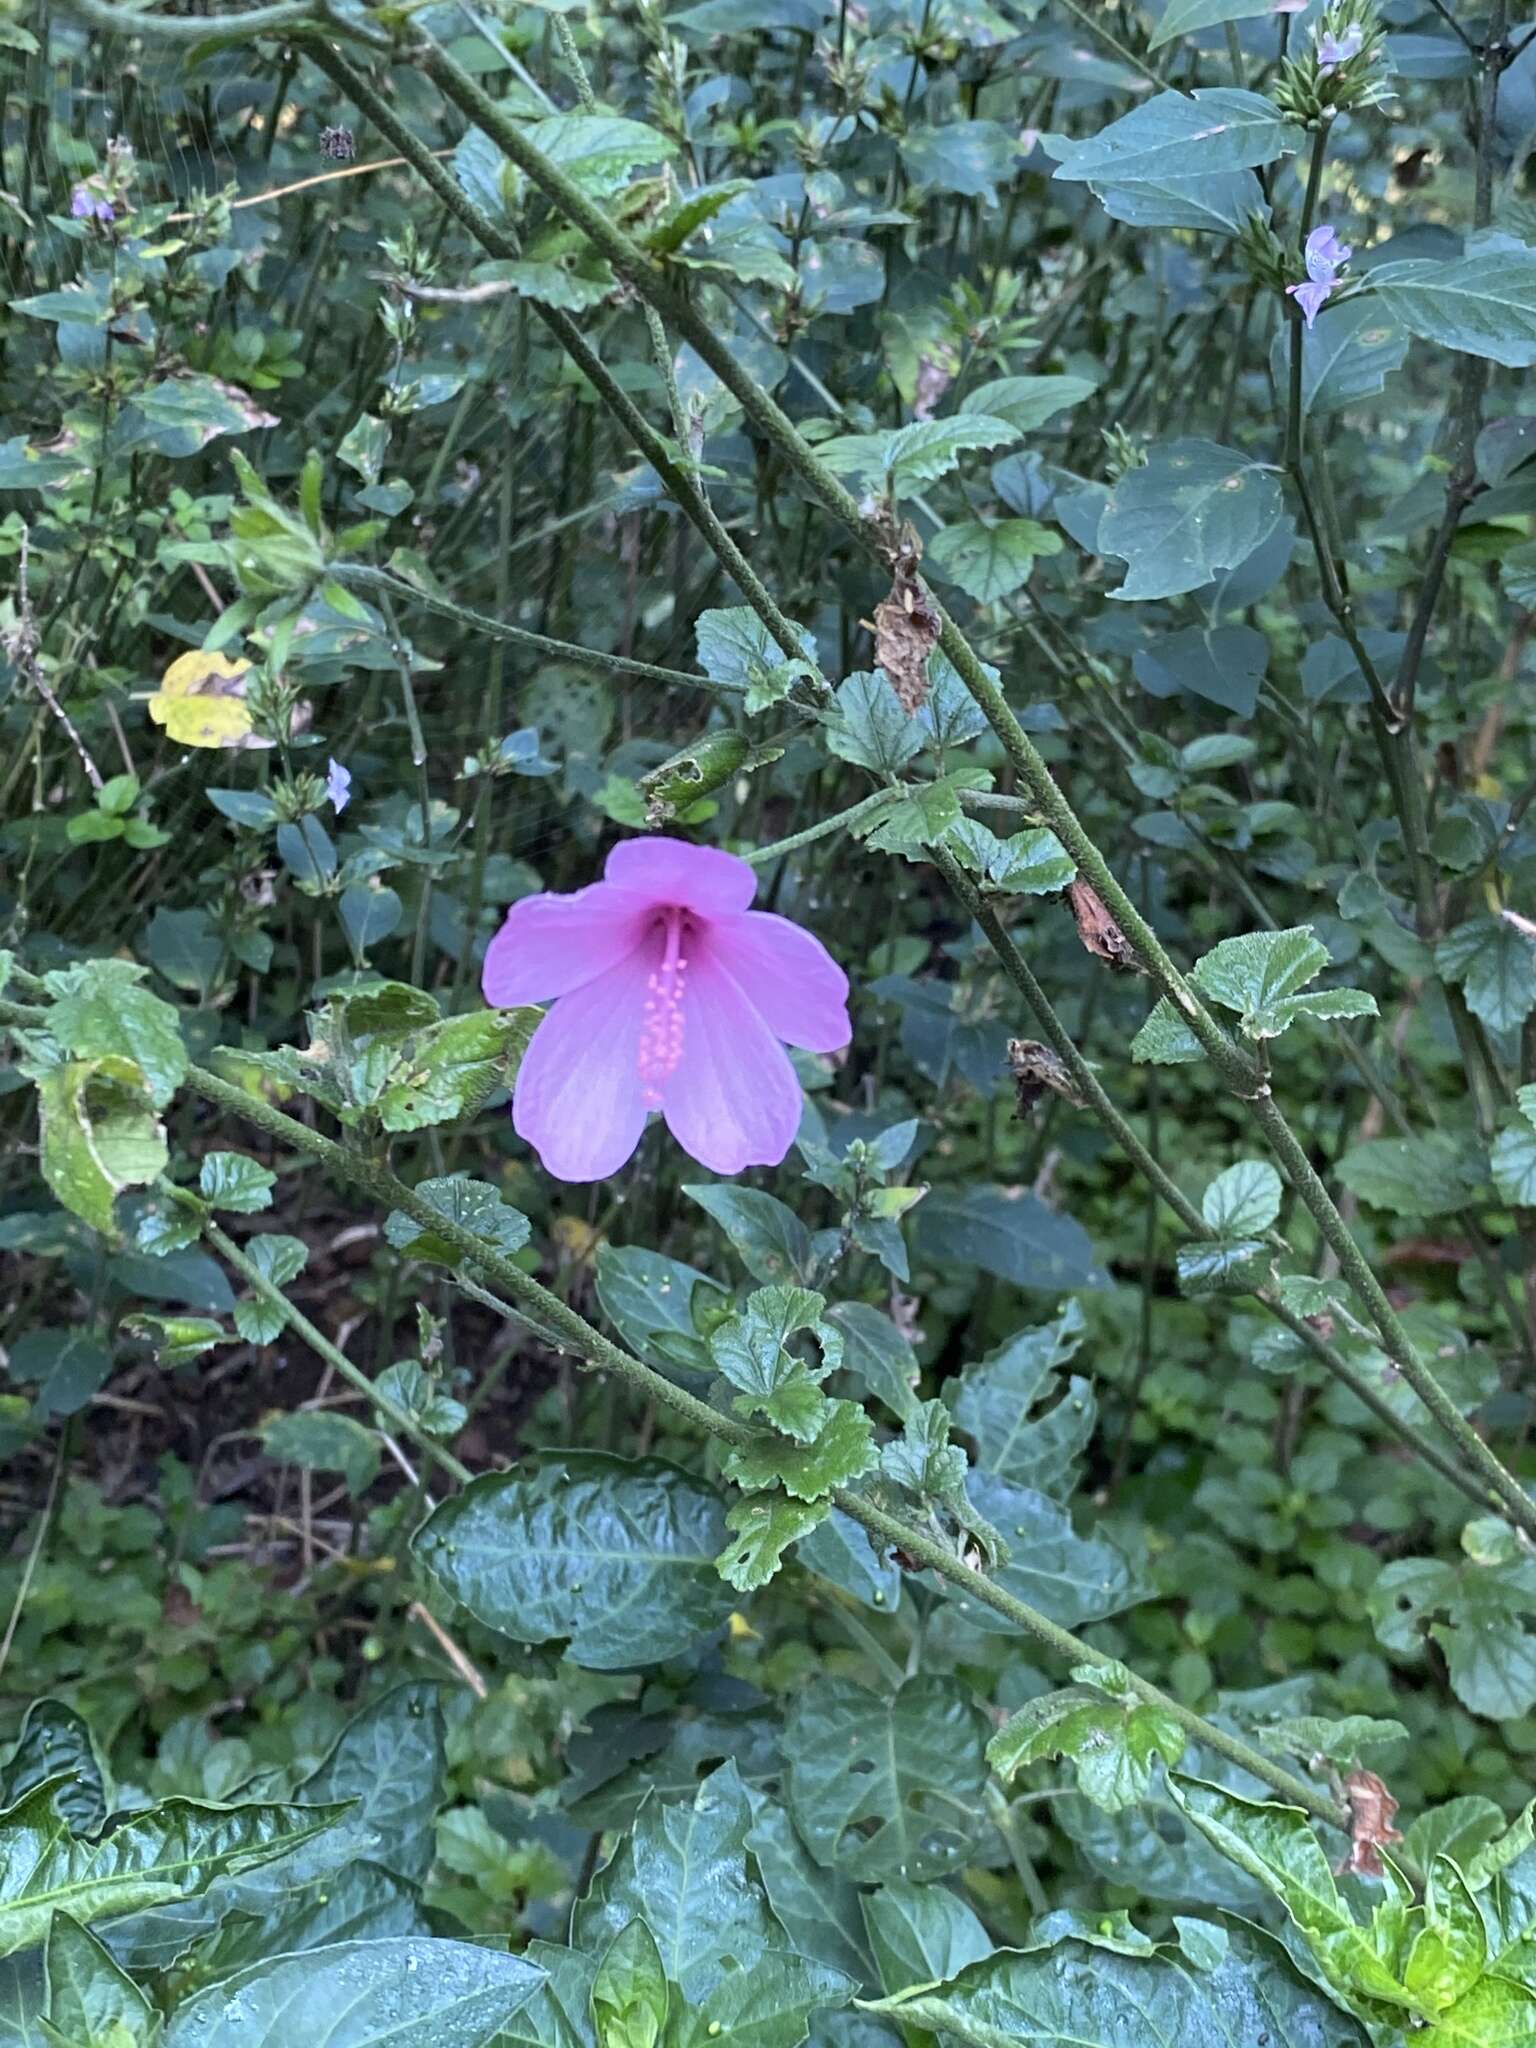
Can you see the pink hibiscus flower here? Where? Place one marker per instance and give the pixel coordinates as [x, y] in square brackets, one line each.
[668, 993]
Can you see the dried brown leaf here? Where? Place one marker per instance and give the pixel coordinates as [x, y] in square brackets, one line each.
[1036, 1069]
[907, 627]
[1371, 1807]
[1099, 931]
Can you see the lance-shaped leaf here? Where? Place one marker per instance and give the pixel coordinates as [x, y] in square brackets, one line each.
[91, 2002]
[616, 1555]
[173, 1851]
[1076, 1996]
[362, 1994]
[1482, 303]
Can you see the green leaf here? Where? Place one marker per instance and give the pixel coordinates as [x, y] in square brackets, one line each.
[1496, 966]
[876, 1353]
[1190, 511]
[471, 1204]
[1278, 1845]
[1027, 402]
[629, 1992]
[1482, 303]
[990, 560]
[921, 1933]
[1476, 1612]
[1073, 1579]
[68, 1366]
[1513, 1164]
[971, 158]
[91, 2002]
[736, 648]
[1030, 863]
[1244, 1200]
[455, 1065]
[691, 212]
[1111, 1744]
[843, 1450]
[99, 1009]
[922, 1460]
[1182, 135]
[279, 1259]
[1222, 664]
[909, 457]
[1028, 1427]
[230, 1180]
[1014, 1236]
[99, 1135]
[1430, 1175]
[887, 1787]
[924, 814]
[1450, 1951]
[753, 1352]
[653, 1301]
[599, 150]
[1074, 1996]
[362, 1994]
[1220, 202]
[771, 1241]
[764, 1527]
[56, 1743]
[683, 1869]
[1345, 358]
[391, 1759]
[870, 727]
[324, 1440]
[1223, 1266]
[616, 1555]
[171, 1851]
[1165, 1040]
[1259, 974]
[1188, 17]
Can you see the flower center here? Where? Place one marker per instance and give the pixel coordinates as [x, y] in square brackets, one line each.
[661, 1029]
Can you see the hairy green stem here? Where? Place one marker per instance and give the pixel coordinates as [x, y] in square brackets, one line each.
[1237, 1070]
[596, 658]
[576, 1335]
[1100, 1104]
[321, 1345]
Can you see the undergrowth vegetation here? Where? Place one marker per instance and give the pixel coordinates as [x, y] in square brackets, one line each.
[767, 1024]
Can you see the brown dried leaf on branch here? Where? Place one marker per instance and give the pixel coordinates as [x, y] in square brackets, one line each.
[1371, 1807]
[1098, 930]
[907, 626]
[1036, 1069]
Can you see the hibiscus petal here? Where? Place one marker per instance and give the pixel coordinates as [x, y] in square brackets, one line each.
[550, 945]
[673, 871]
[788, 976]
[734, 1099]
[578, 1097]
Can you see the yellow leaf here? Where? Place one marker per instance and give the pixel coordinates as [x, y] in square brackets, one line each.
[201, 701]
[202, 721]
[192, 674]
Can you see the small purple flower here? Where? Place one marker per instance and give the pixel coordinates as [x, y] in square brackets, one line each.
[1332, 50]
[338, 786]
[84, 204]
[1326, 256]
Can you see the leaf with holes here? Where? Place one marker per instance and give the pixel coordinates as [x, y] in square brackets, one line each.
[887, 1787]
